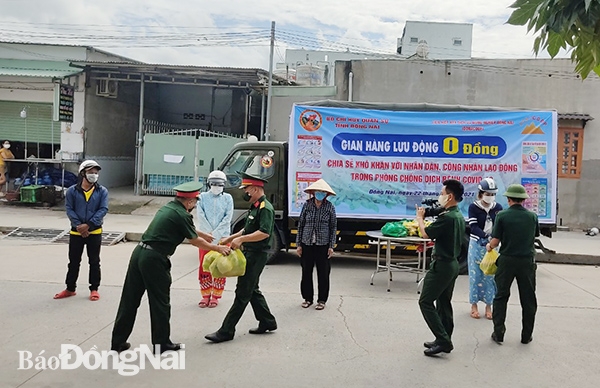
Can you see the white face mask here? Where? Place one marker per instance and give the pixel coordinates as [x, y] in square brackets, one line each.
[488, 198]
[443, 199]
[92, 178]
[216, 190]
[7, 146]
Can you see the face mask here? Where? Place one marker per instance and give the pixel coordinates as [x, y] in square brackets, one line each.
[216, 190]
[247, 197]
[320, 195]
[193, 206]
[7, 146]
[92, 178]
[443, 199]
[488, 198]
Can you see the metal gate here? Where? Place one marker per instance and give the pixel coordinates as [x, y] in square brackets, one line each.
[174, 154]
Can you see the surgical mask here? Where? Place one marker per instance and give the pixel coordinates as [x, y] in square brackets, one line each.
[320, 195]
[7, 146]
[216, 190]
[443, 199]
[92, 178]
[488, 198]
[247, 197]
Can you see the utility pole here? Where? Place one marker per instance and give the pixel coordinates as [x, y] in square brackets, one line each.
[270, 94]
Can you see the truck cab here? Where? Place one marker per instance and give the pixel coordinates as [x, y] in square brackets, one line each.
[266, 160]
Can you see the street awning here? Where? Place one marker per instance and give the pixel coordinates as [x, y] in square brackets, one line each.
[41, 69]
[178, 74]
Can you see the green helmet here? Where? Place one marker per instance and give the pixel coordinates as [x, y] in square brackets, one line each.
[516, 191]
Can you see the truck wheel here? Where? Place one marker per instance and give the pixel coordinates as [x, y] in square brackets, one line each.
[276, 246]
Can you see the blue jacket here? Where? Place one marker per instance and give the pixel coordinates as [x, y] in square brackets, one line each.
[477, 217]
[90, 212]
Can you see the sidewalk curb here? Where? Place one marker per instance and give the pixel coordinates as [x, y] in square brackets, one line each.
[567, 258]
[555, 258]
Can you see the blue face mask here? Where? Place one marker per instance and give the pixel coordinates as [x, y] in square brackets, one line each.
[320, 195]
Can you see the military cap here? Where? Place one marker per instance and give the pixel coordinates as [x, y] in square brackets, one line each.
[251, 180]
[188, 189]
[516, 191]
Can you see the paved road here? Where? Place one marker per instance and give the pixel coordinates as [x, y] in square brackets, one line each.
[365, 337]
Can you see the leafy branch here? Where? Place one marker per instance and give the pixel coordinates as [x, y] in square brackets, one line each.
[563, 24]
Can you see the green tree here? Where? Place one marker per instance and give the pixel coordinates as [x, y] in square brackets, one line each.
[568, 24]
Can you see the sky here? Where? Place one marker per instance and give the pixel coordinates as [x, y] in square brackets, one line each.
[233, 33]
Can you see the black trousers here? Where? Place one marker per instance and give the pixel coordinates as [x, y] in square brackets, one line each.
[148, 271]
[76, 244]
[311, 255]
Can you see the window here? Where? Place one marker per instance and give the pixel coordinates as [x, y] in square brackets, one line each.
[570, 149]
[253, 162]
[457, 42]
[414, 40]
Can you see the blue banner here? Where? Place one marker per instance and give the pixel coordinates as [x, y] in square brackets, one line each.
[383, 163]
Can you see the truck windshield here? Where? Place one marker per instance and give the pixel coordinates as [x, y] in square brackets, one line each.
[248, 161]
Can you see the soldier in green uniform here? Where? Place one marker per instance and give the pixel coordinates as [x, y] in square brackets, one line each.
[438, 285]
[516, 229]
[150, 268]
[255, 239]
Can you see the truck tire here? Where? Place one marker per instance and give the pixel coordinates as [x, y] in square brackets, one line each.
[276, 246]
[463, 268]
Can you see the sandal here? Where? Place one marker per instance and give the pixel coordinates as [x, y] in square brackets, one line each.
[306, 304]
[213, 303]
[204, 303]
[488, 315]
[94, 296]
[475, 314]
[64, 294]
[320, 306]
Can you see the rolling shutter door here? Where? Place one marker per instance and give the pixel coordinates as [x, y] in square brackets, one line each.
[38, 127]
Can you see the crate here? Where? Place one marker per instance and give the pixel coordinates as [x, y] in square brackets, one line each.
[48, 195]
[30, 194]
[12, 196]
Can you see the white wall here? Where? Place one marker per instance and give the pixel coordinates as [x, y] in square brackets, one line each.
[282, 101]
[440, 39]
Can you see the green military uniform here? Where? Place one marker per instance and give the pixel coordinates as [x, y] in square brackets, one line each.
[260, 217]
[150, 270]
[447, 231]
[516, 228]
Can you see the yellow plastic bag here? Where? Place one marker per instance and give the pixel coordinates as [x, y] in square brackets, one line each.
[209, 258]
[488, 263]
[228, 266]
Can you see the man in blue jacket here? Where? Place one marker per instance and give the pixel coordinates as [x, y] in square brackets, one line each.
[87, 204]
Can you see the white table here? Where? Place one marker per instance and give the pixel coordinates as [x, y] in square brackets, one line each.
[388, 266]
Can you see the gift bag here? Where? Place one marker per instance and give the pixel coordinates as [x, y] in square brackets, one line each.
[228, 266]
[488, 263]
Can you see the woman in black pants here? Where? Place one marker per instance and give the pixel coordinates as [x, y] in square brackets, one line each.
[315, 241]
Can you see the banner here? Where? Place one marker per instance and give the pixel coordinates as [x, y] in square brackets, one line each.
[383, 163]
